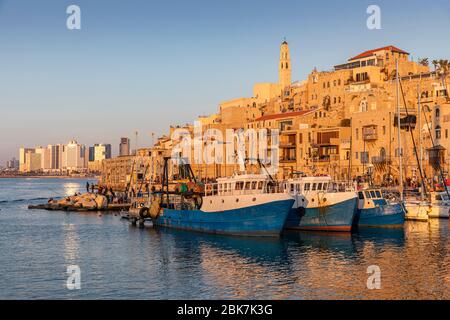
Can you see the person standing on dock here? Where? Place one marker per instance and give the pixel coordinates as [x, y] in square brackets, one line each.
[87, 187]
[92, 188]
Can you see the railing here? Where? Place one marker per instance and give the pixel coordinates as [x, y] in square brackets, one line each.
[213, 190]
[370, 136]
[381, 160]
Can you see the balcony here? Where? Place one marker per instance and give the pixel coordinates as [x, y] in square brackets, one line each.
[370, 133]
[380, 160]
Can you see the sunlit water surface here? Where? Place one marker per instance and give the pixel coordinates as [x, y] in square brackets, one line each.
[118, 261]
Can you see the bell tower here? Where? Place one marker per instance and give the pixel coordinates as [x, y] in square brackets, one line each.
[284, 66]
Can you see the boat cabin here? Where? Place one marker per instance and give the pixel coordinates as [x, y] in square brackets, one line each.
[240, 185]
[370, 198]
[306, 185]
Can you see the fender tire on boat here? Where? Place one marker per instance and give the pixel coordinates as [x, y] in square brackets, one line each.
[143, 213]
[198, 201]
[155, 207]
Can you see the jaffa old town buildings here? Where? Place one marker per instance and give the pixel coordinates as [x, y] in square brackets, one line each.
[342, 122]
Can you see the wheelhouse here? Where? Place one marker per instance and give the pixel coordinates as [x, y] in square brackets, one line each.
[240, 185]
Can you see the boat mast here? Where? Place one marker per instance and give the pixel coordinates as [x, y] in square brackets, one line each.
[400, 152]
[419, 121]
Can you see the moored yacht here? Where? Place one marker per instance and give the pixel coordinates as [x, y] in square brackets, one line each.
[417, 209]
[321, 204]
[440, 205]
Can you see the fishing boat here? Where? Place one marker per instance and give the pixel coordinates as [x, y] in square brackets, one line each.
[244, 205]
[375, 211]
[321, 204]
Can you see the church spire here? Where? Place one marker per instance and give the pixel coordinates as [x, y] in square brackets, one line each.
[284, 67]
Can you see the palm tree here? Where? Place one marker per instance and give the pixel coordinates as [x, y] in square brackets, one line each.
[444, 67]
[435, 64]
[424, 62]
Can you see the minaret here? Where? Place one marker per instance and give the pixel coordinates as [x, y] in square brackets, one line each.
[284, 66]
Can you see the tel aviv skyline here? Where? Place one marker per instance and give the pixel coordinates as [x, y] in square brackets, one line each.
[148, 66]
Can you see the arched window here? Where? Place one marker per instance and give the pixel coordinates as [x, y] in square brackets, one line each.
[383, 153]
[363, 106]
[438, 112]
[287, 66]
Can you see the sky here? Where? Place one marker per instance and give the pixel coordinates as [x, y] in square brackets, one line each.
[145, 65]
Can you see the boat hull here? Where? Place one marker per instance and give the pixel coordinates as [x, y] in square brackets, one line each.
[386, 216]
[335, 217]
[439, 211]
[417, 211]
[259, 220]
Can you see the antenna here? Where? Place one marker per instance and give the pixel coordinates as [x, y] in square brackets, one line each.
[136, 142]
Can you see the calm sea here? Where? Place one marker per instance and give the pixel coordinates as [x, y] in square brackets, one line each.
[118, 261]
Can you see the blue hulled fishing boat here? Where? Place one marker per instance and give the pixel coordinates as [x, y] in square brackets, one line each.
[375, 211]
[244, 204]
[321, 204]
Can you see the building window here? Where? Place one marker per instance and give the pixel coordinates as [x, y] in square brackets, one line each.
[357, 133]
[438, 112]
[438, 132]
[384, 130]
[446, 133]
[364, 157]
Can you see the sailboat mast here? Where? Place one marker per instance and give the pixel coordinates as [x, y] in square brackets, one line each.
[419, 121]
[400, 152]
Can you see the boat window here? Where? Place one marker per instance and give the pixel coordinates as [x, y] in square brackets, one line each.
[325, 186]
[307, 186]
[239, 185]
[260, 185]
[378, 193]
[292, 187]
[319, 186]
[314, 187]
[361, 195]
[254, 185]
[247, 185]
[372, 193]
[367, 194]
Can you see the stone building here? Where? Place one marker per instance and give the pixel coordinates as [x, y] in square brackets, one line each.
[342, 122]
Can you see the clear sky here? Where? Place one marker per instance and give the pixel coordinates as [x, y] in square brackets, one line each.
[143, 65]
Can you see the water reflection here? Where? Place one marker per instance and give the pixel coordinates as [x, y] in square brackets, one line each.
[304, 265]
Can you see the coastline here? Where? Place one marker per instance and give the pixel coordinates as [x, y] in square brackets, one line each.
[49, 177]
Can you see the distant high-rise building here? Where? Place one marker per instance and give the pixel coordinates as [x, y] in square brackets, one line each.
[55, 156]
[12, 164]
[74, 157]
[124, 148]
[99, 152]
[92, 153]
[23, 157]
[33, 162]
